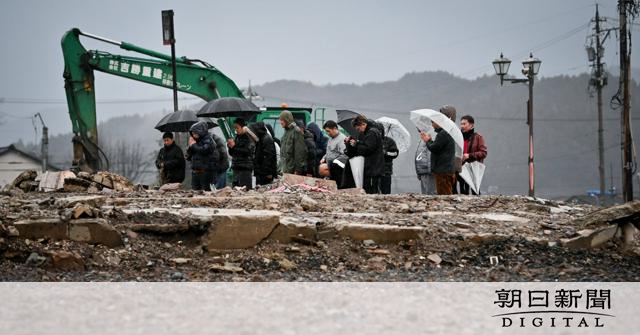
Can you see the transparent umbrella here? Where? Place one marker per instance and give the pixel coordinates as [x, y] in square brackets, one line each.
[472, 173]
[422, 118]
[394, 129]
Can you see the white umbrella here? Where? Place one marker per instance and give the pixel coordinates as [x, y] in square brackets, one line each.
[422, 119]
[472, 173]
[357, 170]
[394, 129]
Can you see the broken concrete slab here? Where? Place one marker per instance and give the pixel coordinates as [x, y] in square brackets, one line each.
[160, 228]
[76, 185]
[170, 187]
[53, 181]
[628, 212]
[381, 233]
[293, 179]
[51, 228]
[94, 231]
[500, 217]
[591, 239]
[113, 181]
[91, 200]
[234, 228]
[81, 210]
[293, 227]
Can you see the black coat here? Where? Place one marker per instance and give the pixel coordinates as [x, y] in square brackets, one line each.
[390, 153]
[171, 160]
[369, 145]
[223, 155]
[265, 160]
[443, 150]
[310, 142]
[202, 154]
[242, 153]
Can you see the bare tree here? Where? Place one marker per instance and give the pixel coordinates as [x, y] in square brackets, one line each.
[127, 159]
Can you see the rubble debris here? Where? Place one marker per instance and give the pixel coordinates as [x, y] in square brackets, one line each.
[226, 267]
[170, 187]
[293, 179]
[25, 181]
[65, 260]
[35, 259]
[53, 181]
[435, 258]
[379, 233]
[81, 210]
[76, 185]
[113, 181]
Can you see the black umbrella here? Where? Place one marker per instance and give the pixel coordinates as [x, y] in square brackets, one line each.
[181, 121]
[344, 120]
[229, 107]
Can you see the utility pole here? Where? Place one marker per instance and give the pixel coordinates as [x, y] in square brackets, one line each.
[44, 148]
[627, 163]
[599, 80]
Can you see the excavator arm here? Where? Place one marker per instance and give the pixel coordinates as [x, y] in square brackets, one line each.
[194, 77]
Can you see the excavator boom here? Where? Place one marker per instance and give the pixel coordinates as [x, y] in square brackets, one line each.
[194, 77]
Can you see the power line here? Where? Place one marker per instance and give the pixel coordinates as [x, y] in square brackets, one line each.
[47, 101]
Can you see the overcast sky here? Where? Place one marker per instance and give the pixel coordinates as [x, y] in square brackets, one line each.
[322, 42]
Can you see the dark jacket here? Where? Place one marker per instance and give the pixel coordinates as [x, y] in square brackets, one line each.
[264, 159]
[293, 152]
[320, 141]
[310, 143]
[369, 145]
[391, 151]
[242, 153]
[223, 155]
[202, 154]
[476, 149]
[443, 150]
[171, 162]
[273, 134]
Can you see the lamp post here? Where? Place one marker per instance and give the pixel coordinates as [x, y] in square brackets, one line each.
[530, 69]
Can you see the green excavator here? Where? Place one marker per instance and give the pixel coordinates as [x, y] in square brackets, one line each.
[195, 77]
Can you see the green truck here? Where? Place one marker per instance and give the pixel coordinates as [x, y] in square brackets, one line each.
[195, 77]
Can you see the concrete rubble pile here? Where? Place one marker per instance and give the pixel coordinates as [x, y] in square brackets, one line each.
[68, 181]
[102, 227]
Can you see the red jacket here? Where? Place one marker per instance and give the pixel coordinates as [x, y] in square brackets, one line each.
[476, 148]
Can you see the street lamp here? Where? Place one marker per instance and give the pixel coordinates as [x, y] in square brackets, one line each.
[530, 69]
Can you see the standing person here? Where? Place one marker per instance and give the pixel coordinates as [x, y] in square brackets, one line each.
[368, 145]
[475, 149]
[391, 151]
[335, 150]
[310, 143]
[423, 167]
[223, 162]
[277, 144]
[321, 142]
[451, 112]
[442, 154]
[293, 152]
[265, 165]
[241, 150]
[170, 161]
[203, 155]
